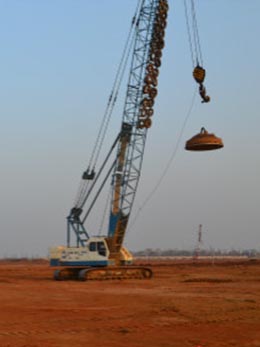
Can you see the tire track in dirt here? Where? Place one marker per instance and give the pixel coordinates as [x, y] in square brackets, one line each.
[23, 333]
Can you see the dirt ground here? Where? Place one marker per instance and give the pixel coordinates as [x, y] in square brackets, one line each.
[186, 304]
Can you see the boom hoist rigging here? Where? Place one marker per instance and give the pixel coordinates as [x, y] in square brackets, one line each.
[105, 257]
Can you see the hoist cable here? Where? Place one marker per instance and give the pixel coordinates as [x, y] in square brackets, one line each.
[114, 100]
[194, 40]
[84, 188]
[110, 102]
[104, 212]
[114, 92]
[168, 165]
[99, 191]
[100, 171]
[189, 32]
[196, 34]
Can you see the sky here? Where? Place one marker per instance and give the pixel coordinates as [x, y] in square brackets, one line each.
[58, 62]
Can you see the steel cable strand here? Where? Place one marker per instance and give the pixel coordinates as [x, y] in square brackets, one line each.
[196, 34]
[104, 212]
[105, 121]
[189, 33]
[113, 93]
[195, 42]
[114, 101]
[119, 79]
[168, 165]
[84, 190]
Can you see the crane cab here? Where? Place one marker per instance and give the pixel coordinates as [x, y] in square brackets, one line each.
[95, 254]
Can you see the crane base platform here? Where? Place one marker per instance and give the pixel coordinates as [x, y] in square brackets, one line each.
[103, 273]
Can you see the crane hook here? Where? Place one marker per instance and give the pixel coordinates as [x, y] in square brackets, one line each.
[204, 96]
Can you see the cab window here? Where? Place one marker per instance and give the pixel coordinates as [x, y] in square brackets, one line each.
[101, 249]
[93, 246]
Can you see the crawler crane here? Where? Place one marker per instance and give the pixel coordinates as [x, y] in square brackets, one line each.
[105, 257]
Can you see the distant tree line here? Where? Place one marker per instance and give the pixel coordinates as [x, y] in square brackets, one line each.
[149, 252]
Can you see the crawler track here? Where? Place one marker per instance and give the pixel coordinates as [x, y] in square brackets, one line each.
[103, 273]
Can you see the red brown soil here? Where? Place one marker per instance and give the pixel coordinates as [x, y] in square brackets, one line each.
[184, 305]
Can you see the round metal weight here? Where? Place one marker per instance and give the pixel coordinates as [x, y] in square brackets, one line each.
[147, 123]
[146, 102]
[155, 53]
[154, 44]
[153, 93]
[146, 112]
[157, 36]
[140, 124]
[161, 24]
[149, 79]
[146, 89]
[160, 44]
[164, 4]
[161, 16]
[157, 62]
[158, 54]
[158, 29]
[155, 72]
[149, 112]
[162, 10]
[150, 68]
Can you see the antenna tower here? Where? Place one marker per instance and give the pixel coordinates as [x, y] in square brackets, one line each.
[199, 243]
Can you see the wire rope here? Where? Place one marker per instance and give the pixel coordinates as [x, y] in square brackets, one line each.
[104, 212]
[196, 34]
[106, 123]
[194, 40]
[102, 130]
[168, 165]
[114, 100]
[83, 188]
[115, 87]
[189, 32]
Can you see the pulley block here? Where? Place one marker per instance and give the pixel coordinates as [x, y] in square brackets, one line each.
[162, 15]
[146, 112]
[157, 62]
[88, 175]
[159, 29]
[150, 68]
[140, 124]
[199, 74]
[150, 79]
[155, 72]
[146, 89]
[147, 123]
[147, 102]
[163, 3]
[153, 92]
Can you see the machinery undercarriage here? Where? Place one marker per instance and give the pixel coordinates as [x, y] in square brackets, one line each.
[103, 273]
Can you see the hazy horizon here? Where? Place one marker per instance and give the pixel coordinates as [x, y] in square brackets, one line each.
[59, 60]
